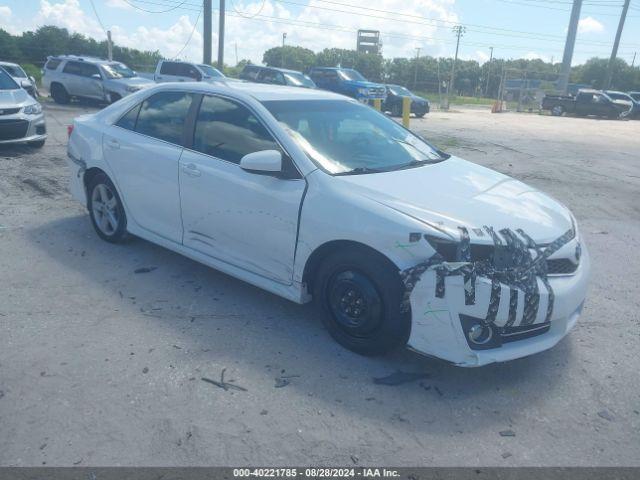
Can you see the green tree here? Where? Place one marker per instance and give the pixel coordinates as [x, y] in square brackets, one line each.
[294, 58]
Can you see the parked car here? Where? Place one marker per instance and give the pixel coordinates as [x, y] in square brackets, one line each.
[309, 194]
[70, 76]
[276, 76]
[585, 103]
[20, 76]
[176, 71]
[626, 99]
[635, 96]
[349, 82]
[21, 117]
[395, 93]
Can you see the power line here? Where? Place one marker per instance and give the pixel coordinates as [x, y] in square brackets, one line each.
[152, 11]
[98, 17]
[195, 25]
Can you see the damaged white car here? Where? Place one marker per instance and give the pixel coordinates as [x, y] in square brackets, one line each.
[309, 194]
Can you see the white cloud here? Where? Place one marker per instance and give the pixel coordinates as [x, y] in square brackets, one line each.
[5, 12]
[590, 25]
[118, 4]
[536, 56]
[481, 56]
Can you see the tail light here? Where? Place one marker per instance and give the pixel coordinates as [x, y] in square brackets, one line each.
[69, 130]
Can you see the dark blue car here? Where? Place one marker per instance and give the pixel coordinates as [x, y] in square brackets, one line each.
[347, 81]
[395, 93]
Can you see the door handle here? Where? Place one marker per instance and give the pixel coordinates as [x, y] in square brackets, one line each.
[191, 169]
[113, 144]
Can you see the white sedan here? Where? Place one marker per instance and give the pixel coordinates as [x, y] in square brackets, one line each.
[309, 194]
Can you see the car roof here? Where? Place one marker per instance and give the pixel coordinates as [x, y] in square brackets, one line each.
[260, 91]
[96, 60]
[9, 64]
[277, 69]
[332, 68]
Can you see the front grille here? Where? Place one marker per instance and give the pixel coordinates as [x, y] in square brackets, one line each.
[512, 334]
[561, 266]
[9, 111]
[12, 129]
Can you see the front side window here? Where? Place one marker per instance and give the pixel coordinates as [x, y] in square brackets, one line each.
[299, 80]
[229, 131]
[14, 71]
[210, 71]
[271, 76]
[74, 68]
[169, 68]
[88, 70]
[345, 137]
[163, 116]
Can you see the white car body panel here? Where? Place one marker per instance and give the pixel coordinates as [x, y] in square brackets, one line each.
[263, 230]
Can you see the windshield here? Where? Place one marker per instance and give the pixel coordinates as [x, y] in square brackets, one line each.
[345, 137]
[353, 75]
[299, 80]
[6, 82]
[400, 91]
[117, 70]
[210, 71]
[14, 71]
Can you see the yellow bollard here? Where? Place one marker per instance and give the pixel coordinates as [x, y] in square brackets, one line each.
[377, 104]
[406, 111]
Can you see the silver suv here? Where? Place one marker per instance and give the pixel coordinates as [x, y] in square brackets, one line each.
[85, 77]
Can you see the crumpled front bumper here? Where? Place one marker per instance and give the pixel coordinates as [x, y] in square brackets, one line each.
[35, 131]
[437, 328]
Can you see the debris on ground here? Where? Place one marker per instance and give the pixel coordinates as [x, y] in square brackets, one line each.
[606, 415]
[145, 370]
[282, 382]
[507, 433]
[222, 384]
[399, 377]
[506, 455]
[144, 269]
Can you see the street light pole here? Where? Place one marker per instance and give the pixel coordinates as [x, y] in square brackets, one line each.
[563, 80]
[284, 37]
[486, 88]
[221, 36]
[459, 31]
[206, 51]
[415, 72]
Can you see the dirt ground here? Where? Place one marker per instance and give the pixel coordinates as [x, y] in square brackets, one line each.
[103, 366]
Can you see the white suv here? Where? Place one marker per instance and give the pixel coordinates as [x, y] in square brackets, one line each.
[173, 71]
[84, 77]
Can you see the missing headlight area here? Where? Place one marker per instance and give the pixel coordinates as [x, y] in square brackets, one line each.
[514, 261]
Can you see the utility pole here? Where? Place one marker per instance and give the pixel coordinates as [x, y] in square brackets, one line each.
[221, 37]
[109, 46]
[206, 51]
[633, 62]
[236, 45]
[284, 37]
[459, 31]
[486, 88]
[415, 72]
[616, 43]
[563, 80]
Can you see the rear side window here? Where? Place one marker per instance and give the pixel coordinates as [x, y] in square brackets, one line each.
[128, 121]
[163, 116]
[52, 64]
[229, 131]
[271, 76]
[88, 70]
[250, 73]
[169, 68]
[74, 68]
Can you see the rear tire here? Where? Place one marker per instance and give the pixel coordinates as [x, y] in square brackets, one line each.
[60, 94]
[114, 97]
[361, 294]
[106, 210]
[396, 110]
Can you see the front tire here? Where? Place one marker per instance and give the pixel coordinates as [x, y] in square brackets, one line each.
[361, 294]
[106, 210]
[60, 94]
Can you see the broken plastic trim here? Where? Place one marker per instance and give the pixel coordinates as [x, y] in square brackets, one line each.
[512, 264]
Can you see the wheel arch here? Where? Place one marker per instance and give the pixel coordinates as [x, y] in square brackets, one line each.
[88, 176]
[323, 251]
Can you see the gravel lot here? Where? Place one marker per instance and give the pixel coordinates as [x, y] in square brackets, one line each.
[103, 366]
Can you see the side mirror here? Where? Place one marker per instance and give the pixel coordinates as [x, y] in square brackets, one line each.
[265, 162]
[96, 76]
[25, 84]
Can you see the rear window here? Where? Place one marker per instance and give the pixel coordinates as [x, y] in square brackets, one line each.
[52, 64]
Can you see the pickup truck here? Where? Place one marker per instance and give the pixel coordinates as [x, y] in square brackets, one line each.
[585, 103]
[349, 82]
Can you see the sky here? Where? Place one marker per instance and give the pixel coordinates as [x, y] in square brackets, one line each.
[514, 28]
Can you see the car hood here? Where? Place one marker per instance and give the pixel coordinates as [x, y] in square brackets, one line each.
[455, 193]
[134, 81]
[359, 84]
[15, 98]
